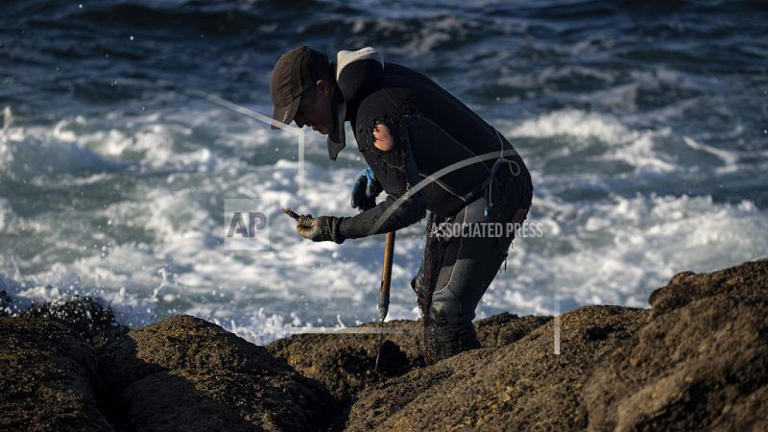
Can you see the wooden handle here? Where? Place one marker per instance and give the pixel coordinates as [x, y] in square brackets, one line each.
[386, 269]
[386, 276]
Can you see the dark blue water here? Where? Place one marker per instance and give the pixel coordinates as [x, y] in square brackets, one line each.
[645, 125]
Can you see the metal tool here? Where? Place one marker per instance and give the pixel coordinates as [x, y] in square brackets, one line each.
[386, 278]
[291, 213]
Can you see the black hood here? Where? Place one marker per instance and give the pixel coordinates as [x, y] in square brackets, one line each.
[357, 73]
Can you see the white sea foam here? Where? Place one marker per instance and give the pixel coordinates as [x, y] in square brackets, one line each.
[647, 151]
[618, 250]
[575, 123]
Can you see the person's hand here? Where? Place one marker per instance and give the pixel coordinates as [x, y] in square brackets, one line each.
[365, 190]
[321, 228]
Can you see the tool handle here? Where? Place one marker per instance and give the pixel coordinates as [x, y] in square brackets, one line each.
[386, 275]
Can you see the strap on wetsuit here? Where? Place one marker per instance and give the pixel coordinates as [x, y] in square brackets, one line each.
[488, 183]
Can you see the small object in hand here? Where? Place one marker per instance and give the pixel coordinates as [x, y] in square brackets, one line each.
[321, 228]
[291, 213]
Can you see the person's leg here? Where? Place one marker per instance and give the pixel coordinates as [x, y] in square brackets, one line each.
[431, 261]
[469, 264]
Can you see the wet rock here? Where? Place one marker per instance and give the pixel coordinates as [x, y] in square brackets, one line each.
[5, 304]
[517, 386]
[700, 362]
[696, 360]
[345, 362]
[48, 378]
[182, 374]
[187, 374]
[746, 283]
[86, 316]
[505, 328]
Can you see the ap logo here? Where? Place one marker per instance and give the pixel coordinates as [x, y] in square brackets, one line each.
[246, 227]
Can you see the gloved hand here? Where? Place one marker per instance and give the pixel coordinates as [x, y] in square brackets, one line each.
[322, 228]
[365, 190]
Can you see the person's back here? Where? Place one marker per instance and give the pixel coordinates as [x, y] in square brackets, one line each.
[444, 134]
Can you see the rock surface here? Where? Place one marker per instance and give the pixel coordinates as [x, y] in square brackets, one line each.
[84, 315]
[5, 303]
[187, 374]
[700, 361]
[518, 386]
[48, 378]
[345, 363]
[181, 374]
[697, 359]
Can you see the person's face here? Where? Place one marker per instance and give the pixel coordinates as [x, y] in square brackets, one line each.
[315, 108]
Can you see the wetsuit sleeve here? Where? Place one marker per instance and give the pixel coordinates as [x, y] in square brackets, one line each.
[393, 213]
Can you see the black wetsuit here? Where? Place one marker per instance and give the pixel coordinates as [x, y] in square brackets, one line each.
[441, 161]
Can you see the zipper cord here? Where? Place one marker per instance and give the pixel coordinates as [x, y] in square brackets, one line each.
[488, 183]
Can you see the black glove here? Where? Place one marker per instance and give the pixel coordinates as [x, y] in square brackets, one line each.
[365, 190]
[321, 228]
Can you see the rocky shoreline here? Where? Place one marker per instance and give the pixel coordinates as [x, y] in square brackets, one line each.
[697, 359]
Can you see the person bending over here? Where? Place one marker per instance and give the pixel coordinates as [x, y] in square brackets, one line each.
[427, 151]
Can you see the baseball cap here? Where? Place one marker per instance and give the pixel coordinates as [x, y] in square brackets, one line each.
[294, 73]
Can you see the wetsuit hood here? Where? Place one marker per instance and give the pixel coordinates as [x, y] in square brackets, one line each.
[357, 73]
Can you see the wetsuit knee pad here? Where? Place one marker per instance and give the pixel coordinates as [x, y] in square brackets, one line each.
[445, 311]
[447, 332]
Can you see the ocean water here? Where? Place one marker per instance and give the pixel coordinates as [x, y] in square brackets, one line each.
[644, 124]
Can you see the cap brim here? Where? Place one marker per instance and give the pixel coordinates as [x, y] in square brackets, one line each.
[283, 115]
